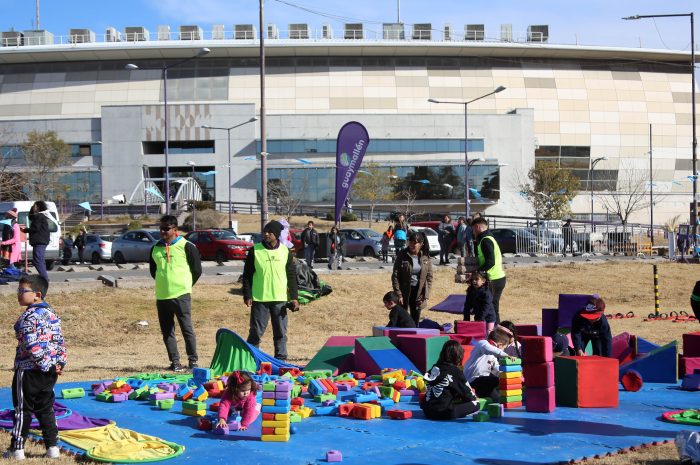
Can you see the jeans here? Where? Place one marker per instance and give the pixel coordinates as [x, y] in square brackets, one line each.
[180, 308]
[38, 261]
[309, 253]
[260, 314]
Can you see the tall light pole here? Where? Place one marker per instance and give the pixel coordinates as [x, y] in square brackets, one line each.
[694, 204]
[228, 134]
[594, 162]
[164, 73]
[263, 134]
[467, 207]
[651, 190]
[194, 209]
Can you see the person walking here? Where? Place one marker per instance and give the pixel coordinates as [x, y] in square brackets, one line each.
[446, 234]
[412, 275]
[568, 233]
[79, 243]
[175, 265]
[270, 288]
[39, 236]
[490, 260]
[335, 244]
[462, 229]
[309, 237]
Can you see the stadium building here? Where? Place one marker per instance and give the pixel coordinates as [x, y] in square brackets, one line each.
[570, 104]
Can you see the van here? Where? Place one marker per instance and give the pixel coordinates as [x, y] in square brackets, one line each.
[53, 249]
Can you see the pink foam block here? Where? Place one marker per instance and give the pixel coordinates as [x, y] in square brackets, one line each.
[528, 330]
[542, 400]
[688, 365]
[536, 349]
[394, 333]
[475, 329]
[691, 345]
[461, 338]
[538, 375]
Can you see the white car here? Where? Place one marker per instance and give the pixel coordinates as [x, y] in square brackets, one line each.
[432, 237]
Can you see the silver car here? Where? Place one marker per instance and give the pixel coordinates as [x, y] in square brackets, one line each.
[134, 246]
[98, 248]
[362, 241]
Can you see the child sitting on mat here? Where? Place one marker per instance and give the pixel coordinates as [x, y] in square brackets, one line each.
[239, 395]
[591, 325]
[398, 316]
[481, 369]
[448, 395]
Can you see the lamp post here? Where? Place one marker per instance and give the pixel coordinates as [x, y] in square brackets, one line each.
[145, 193]
[594, 162]
[694, 204]
[194, 209]
[263, 128]
[164, 73]
[228, 135]
[466, 140]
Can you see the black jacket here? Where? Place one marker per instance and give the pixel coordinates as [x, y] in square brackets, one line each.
[479, 301]
[598, 332]
[487, 249]
[249, 271]
[446, 385]
[38, 230]
[399, 318]
[309, 237]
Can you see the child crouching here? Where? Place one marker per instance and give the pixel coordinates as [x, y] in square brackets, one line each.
[240, 396]
[481, 369]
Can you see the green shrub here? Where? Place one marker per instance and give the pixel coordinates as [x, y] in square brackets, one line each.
[348, 217]
[207, 219]
[134, 224]
[204, 205]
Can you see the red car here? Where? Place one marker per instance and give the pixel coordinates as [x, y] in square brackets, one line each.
[219, 244]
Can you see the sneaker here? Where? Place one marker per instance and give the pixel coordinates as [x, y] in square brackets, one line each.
[53, 452]
[176, 367]
[16, 454]
[193, 365]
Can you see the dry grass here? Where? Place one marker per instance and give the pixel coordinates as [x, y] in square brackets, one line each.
[104, 340]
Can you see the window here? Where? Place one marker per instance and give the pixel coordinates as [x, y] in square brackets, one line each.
[178, 147]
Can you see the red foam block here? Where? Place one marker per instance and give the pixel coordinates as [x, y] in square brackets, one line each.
[536, 349]
[688, 365]
[475, 329]
[539, 375]
[631, 380]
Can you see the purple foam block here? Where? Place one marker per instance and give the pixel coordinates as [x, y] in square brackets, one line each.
[549, 321]
[120, 397]
[691, 382]
[344, 387]
[569, 305]
[328, 403]
[98, 389]
[279, 395]
[234, 425]
[268, 394]
[221, 430]
[409, 392]
[283, 387]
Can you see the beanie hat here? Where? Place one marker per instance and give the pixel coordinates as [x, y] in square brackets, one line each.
[274, 227]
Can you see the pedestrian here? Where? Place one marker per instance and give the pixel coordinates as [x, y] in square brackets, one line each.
[568, 233]
[79, 244]
[385, 241]
[412, 276]
[309, 238]
[67, 249]
[490, 260]
[270, 288]
[175, 265]
[39, 235]
[335, 244]
[462, 229]
[39, 360]
[446, 234]
[11, 246]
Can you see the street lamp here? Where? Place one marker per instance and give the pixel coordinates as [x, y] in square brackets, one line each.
[194, 209]
[228, 134]
[466, 140]
[694, 205]
[164, 72]
[590, 182]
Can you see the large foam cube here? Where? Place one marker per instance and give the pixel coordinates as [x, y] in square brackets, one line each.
[569, 305]
[539, 375]
[536, 349]
[691, 345]
[372, 354]
[586, 382]
[423, 350]
[528, 330]
[394, 333]
[550, 320]
[688, 365]
[476, 329]
[541, 400]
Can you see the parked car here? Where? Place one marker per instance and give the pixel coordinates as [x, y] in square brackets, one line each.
[432, 237]
[219, 244]
[552, 241]
[434, 225]
[134, 246]
[515, 240]
[98, 248]
[253, 237]
[362, 241]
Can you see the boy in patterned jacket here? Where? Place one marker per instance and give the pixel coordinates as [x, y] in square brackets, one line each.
[40, 358]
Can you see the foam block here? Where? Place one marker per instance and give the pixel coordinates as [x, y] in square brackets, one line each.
[550, 319]
[539, 375]
[372, 354]
[540, 400]
[691, 344]
[528, 330]
[691, 382]
[688, 365]
[658, 366]
[622, 348]
[330, 358]
[585, 382]
[644, 346]
[569, 305]
[423, 350]
[394, 333]
[476, 329]
[536, 349]
[631, 380]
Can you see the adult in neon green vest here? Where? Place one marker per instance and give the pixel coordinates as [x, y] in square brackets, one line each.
[175, 265]
[269, 283]
[490, 260]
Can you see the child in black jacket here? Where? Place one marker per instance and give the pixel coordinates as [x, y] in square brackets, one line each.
[398, 316]
[448, 394]
[591, 325]
[479, 301]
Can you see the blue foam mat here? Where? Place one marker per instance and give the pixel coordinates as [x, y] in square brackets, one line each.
[519, 438]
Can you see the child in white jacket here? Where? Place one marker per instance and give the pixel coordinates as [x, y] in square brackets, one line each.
[481, 369]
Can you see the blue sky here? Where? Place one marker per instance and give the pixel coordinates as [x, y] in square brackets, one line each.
[591, 22]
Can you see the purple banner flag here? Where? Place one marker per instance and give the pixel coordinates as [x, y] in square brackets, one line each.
[351, 147]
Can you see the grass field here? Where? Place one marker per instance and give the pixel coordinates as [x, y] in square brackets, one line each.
[104, 339]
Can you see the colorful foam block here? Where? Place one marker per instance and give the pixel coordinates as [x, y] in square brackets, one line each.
[475, 329]
[481, 416]
[73, 393]
[528, 330]
[540, 400]
[495, 410]
[266, 367]
[423, 350]
[688, 365]
[589, 381]
[691, 382]
[201, 373]
[275, 437]
[550, 317]
[569, 305]
[539, 375]
[399, 414]
[394, 333]
[657, 366]
[372, 354]
[512, 405]
[536, 349]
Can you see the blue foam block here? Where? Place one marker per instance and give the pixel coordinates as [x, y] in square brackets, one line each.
[644, 346]
[391, 358]
[658, 366]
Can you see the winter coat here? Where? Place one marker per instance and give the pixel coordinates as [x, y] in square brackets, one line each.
[14, 243]
[401, 277]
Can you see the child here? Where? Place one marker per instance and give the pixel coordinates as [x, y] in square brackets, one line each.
[40, 358]
[513, 348]
[239, 394]
[448, 394]
[591, 325]
[481, 369]
[479, 301]
[398, 316]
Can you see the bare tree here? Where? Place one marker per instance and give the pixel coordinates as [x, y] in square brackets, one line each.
[44, 154]
[408, 198]
[631, 195]
[285, 193]
[373, 185]
[12, 182]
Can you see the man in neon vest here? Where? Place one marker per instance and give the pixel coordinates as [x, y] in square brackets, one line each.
[269, 282]
[175, 265]
[490, 260]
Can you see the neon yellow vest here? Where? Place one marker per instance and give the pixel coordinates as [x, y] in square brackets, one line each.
[173, 278]
[496, 271]
[270, 277]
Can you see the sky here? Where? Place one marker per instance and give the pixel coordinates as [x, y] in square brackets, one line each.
[590, 22]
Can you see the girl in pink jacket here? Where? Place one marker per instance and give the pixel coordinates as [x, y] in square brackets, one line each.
[12, 247]
[240, 396]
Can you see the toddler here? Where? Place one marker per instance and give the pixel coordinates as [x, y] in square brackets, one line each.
[481, 369]
[398, 316]
[239, 395]
[479, 301]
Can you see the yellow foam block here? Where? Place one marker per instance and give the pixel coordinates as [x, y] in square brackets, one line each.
[375, 409]
[117, 384]
[268, 402]
[420, 384]
[510, 392]
[220, 385]
[202, 397]
[275, 424]
[282, 416]
[305, 412]
[397, 375]
[281, 430]
[510, 374]
[275, 437]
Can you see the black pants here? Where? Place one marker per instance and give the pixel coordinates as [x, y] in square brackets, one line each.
[32, 392]
[695, 305]
[260, 314]
[80, 254]
[413, 307]
[496, 286]
[484, 385]
[445, 250]
[180, 308]
[455, 411]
